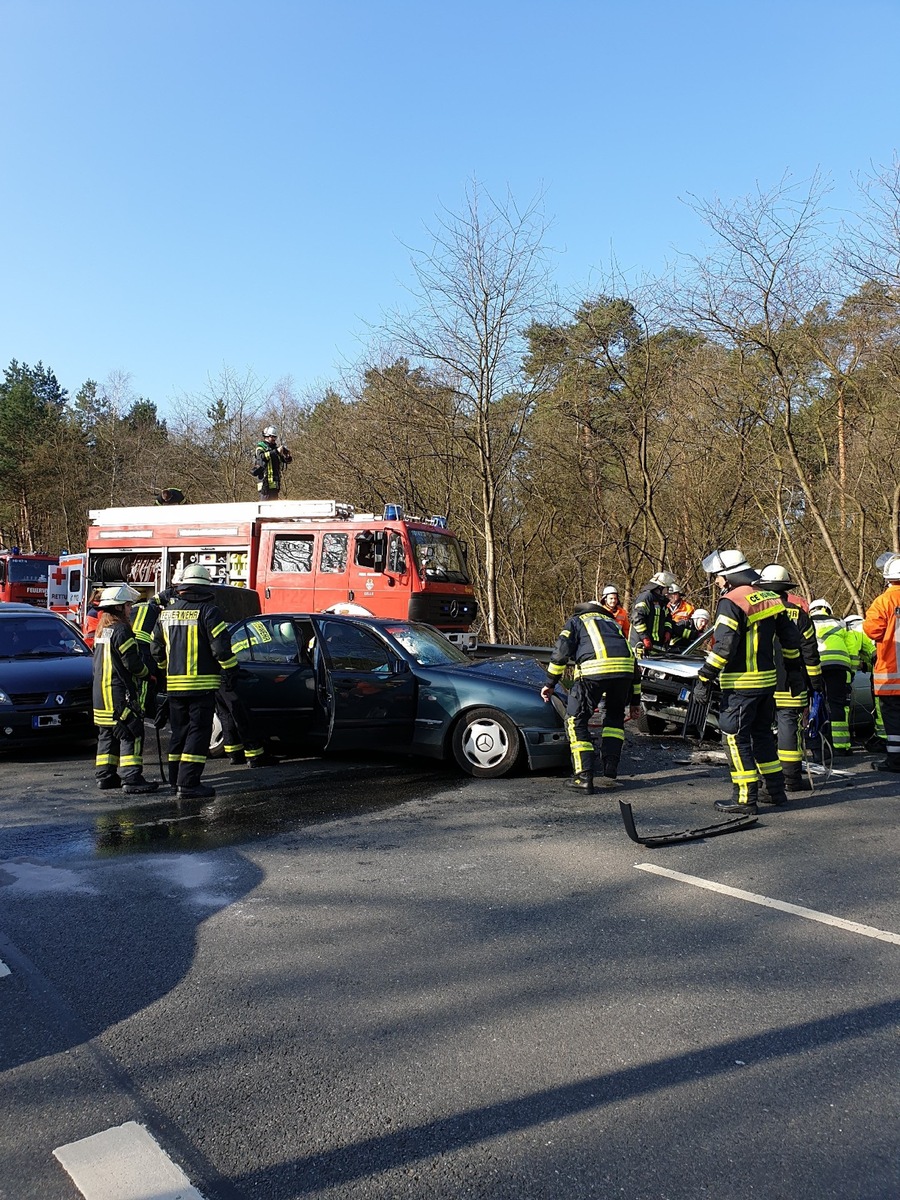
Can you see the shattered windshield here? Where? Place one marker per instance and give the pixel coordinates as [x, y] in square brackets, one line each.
[428, 647]
[438, 556]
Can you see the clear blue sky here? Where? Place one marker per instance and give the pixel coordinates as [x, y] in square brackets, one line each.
[189, 184]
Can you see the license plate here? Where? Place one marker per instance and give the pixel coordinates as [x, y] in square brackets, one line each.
[46, 720]
[648, 699]
[684, 694]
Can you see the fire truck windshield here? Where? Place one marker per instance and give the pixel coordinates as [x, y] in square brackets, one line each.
[28, 570]
[438, 556]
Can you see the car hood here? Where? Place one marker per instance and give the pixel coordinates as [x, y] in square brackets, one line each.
[52, 674]
[510, 668]
[672, 665]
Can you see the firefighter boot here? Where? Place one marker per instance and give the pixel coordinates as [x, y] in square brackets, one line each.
[738, 805]
[773, 790]
[139, 786]
[794, 779]
[583, 781]
[107, 782]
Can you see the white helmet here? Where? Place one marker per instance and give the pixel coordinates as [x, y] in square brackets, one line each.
[609, 590]
[662, 579]
[195, 573]
[725, 562]
[820, 608]
[113, 597]
[854, 621]
[774, 573]
[890, 568]
[699, 614]
[676, 589]
[270, 431]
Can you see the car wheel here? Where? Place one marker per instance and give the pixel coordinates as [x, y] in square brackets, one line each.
[647, 723]
[486, 743]
[217, 738]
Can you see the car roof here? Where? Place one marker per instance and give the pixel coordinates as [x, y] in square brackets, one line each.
[12, 608]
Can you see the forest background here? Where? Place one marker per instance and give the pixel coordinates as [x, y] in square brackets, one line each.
[751, 399]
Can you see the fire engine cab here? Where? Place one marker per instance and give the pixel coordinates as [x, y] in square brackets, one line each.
[299, 555]
[23, 577]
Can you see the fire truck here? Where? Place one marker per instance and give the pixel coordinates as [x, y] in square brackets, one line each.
[23, 577]
[298, 555]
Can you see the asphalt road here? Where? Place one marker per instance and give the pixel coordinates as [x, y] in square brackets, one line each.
[352, 980]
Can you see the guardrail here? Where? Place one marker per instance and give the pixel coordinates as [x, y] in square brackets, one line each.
[494, 650]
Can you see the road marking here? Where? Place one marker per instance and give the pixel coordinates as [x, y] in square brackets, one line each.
[809, 914]
[4, 969]
[124, 1163]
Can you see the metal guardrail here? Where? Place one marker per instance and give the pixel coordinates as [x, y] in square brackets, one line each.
[495, 650]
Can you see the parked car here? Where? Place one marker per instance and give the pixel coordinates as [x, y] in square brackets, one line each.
[363, 683]
[45, 677]
[667, 681]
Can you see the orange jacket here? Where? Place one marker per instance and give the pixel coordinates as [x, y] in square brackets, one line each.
[882, 627]
[621, 616]
[682, 612]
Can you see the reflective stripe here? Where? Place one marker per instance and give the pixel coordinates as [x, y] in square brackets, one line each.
[748, 681]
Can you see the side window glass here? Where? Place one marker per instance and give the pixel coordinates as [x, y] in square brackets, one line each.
[334, 553]
[75, 581]
[365, 550]
[396, 555]
[353, 649]
[273, 641]
[293, 552]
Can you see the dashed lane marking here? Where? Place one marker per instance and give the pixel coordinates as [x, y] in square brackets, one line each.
[124, 1163]
[809, 914]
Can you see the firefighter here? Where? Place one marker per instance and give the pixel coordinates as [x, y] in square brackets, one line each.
[680, 610]
[835, 657]
[168, 496]
[118, 671]
[651, 622]
[92, 616]
[700, 620]
[192, 643]
[144, 617]
[791, 701]
[270, 458]
[605, 669]
[687, 631]
[882, 627]
[609, 599]
[747, 623]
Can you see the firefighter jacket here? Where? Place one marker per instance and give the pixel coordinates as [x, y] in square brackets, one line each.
[862, 650]
[191, 642]
[144, 618]
[747, 623]
[269, 461]
[882, 626]
[594, 641]
[834, 652]
[620, 616]
[798, 610]
[650, 618]
[118, 668]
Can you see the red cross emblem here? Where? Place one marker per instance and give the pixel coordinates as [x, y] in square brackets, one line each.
[58, 575]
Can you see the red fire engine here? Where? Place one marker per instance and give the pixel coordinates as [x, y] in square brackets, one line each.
[299, 555]
[23, 577]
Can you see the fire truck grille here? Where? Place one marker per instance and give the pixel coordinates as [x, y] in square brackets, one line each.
[447, 612]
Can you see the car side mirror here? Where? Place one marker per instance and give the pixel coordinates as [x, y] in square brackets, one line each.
[400, 667]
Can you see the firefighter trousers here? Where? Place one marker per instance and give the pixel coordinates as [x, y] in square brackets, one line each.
[789, 711]
[119, 754]
[890, 714]
[836, 682]
[584, 699]
[191, 721]
[745, 721]
[237, 725]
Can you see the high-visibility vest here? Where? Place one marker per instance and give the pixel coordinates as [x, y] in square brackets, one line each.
[831, 638]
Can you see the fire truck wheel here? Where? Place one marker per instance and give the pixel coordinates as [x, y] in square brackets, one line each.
[486, 743]
[217, 738]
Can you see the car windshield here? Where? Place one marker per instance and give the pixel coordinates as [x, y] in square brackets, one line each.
[28, 570]
[40, 637]
[700, 647]
[438, 556]
[428, 647]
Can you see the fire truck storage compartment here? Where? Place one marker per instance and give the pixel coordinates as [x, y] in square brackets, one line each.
[127, 567]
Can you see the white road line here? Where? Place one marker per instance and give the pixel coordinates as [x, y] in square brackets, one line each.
[124, 1163]
[4, 969]
[809, 914]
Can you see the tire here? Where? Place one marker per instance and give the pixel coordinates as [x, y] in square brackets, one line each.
[217, 739]
[647, 723]
[486, 743]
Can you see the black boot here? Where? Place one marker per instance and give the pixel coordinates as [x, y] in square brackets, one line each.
[582, 782]
[796, 781]
[734, 805]
[773, 790]
[886, 764]
[139, 786]
[106, 782]
[200, 791]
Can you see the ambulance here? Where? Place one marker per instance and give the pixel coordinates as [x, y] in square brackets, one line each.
[300, 556]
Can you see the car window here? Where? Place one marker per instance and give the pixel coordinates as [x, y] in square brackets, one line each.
[351, 648]
[40, 637]
[266, 640]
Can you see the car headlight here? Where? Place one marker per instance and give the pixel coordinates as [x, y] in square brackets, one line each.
[4, 699]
